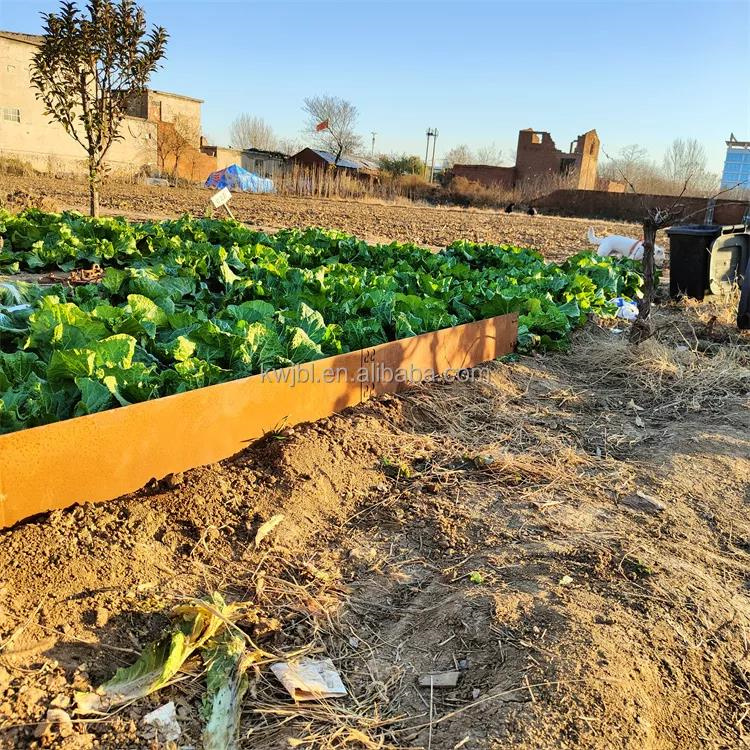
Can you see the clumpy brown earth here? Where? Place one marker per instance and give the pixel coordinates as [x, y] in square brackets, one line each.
[569, 533]
[556, 237]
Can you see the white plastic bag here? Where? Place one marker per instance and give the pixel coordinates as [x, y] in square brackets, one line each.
[626, 308]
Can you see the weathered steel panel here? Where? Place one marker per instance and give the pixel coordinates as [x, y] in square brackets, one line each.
[102, 456]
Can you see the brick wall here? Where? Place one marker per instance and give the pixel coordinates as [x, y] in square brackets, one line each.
[536, 155]
[503, 177]
[192, 164]
[629, 207]
[587, 158]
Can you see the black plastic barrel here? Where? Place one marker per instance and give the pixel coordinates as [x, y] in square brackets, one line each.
[689, 258]
[743, 311]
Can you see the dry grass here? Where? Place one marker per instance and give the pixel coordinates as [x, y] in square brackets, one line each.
[662, 376]
[696, 360]
[519, 455]
[342, 184]
[305, 602]
[15, 167]
[19, 200]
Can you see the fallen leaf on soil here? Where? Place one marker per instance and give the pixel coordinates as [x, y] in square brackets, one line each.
[565, 580]
[196, 623]
[267, 528]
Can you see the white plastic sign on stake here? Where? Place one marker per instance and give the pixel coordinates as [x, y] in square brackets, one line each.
[221, 198]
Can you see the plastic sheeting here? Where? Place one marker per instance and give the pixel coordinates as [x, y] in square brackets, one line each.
[237, 178]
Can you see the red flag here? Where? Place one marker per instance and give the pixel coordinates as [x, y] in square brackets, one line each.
[322, 126]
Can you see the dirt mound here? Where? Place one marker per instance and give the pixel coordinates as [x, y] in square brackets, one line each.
[570, 539]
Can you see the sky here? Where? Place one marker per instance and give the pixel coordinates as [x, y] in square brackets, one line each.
[637, 71]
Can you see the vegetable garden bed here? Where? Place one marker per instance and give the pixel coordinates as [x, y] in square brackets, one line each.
[191, 303]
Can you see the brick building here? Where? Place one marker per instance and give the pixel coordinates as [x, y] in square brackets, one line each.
[161, 131]
[26, 133]
[538, 157]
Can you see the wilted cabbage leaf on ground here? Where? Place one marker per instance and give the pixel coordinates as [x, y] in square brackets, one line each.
[195, 625]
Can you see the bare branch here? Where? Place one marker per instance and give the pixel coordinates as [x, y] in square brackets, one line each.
[340, 136]
[252, 132]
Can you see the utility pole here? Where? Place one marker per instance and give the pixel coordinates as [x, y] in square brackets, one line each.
[434, 141]
[427, 152]
[431, 133]
[372, 150]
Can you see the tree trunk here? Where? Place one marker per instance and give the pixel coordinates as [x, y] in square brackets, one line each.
[642, 327]
[93, 187]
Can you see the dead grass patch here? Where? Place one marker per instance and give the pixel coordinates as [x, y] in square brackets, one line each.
[659, 375]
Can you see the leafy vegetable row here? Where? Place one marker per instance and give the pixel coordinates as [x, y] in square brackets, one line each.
[193, 302]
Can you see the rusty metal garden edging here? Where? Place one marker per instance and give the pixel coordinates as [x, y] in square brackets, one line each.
[102, 456]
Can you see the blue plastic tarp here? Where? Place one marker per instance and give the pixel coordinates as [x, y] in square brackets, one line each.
[237, 178]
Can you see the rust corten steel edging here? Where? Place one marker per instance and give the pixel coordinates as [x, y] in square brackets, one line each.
[102, 456]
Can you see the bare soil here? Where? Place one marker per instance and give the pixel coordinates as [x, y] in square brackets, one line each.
[570, 533]
[557, 237]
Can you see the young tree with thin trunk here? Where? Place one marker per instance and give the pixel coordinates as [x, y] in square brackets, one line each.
[88, 65]
[654, 219]
[339, 136]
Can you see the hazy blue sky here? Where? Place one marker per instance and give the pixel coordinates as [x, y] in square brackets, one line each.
[639, 72]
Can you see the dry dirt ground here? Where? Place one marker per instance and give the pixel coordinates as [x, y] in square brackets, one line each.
[569, 533]
[556, 237]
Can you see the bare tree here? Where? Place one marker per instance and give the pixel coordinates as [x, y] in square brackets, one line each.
[684, 158]
[490, 155]
[288, 146]
[176, 140]
[633, 160]
[633, 154]
[460, 154]
[339, 117]
[247, 131]
[86, 68]
[654, 219]
[631, 163]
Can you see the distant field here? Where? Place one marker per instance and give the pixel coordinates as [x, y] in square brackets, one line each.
[556, 237]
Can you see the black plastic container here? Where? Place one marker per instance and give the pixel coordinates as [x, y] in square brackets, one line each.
[743, 311]
[689, 258]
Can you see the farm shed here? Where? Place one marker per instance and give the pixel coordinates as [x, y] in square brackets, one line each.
[314, 158]
[263, 163]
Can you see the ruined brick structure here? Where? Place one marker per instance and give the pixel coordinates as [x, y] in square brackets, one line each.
[537, 157]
